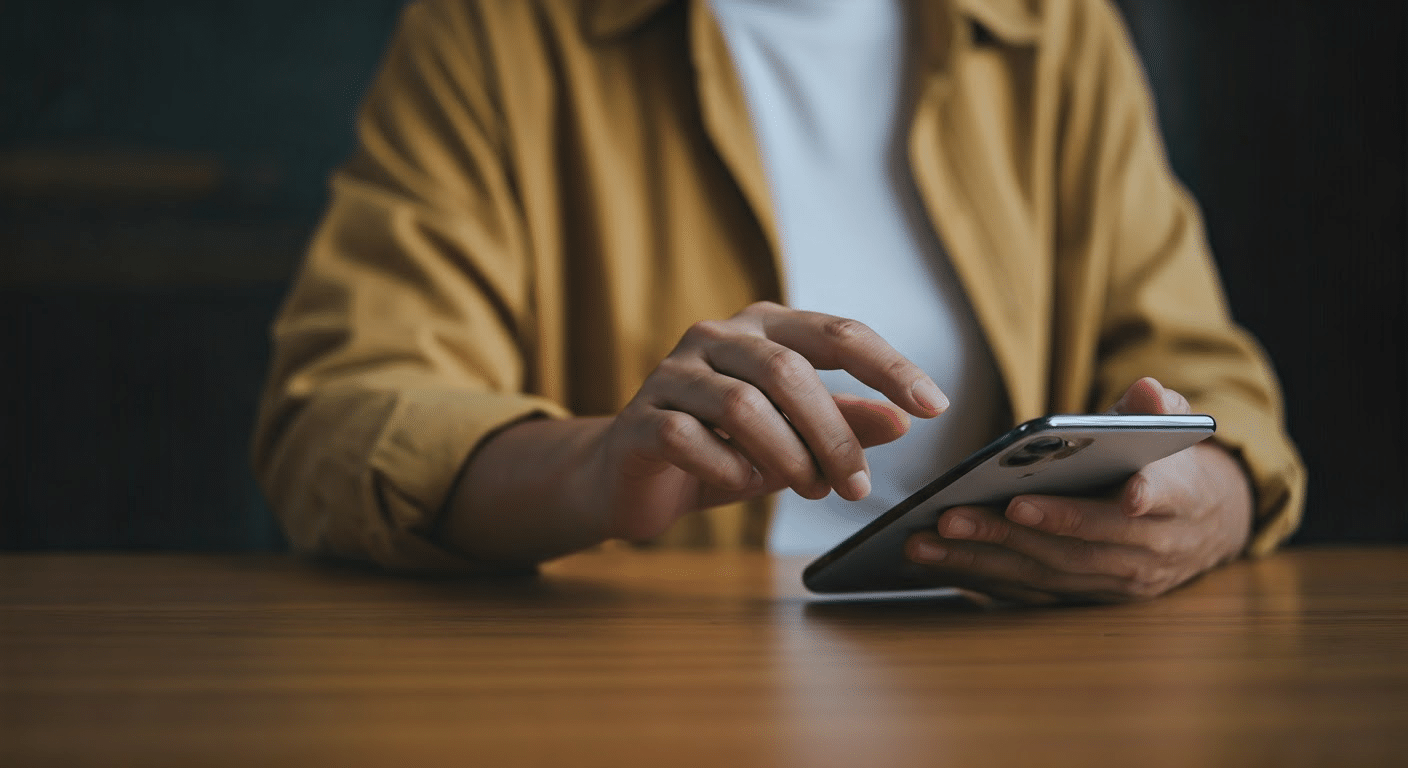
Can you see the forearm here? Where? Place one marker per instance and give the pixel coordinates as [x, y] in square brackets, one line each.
[529, 494]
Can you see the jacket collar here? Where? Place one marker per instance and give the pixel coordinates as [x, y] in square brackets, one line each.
[609, 18]
[1008, 21]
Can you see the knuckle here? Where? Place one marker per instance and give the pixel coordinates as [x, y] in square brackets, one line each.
[674, 378]
[637, 419]
[1163, 545]
[787, 370]
[1128, 572]
[844, 445]
[759, 309]
[706, 331]
[674, 431]
[1083, 554]
[673, 367]
[843, 330]
[741, 404]
[801, 469]
[900, 369]
[1149, 581]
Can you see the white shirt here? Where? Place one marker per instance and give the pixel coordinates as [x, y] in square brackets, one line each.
[823, 80]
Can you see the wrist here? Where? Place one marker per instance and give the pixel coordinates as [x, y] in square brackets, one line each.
[586, 490]
[1234, 489]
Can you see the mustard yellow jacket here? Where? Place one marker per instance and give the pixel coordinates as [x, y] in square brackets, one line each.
[547, 193]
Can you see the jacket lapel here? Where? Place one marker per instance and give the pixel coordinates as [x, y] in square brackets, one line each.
[968, 193]
[962, 168]
[729, 125]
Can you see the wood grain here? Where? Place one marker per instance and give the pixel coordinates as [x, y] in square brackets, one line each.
[678, 658]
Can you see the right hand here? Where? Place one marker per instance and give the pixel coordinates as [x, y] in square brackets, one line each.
[737, 410]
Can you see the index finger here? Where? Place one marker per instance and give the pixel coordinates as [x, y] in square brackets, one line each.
[830, 343]
[1098, 520]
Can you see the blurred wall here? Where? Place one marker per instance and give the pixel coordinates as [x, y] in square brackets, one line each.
[162, 162]
[1289, 122]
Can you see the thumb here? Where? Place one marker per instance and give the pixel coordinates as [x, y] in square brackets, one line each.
[1149, 396]
[874, 422]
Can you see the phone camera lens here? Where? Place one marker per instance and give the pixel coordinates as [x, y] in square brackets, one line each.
[1021, 459]
[1044, 445]
[1034, 451]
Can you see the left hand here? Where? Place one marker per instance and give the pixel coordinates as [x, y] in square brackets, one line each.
[1171, 521]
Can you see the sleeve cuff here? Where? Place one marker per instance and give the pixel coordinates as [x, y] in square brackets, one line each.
[1273, 466]
[428, 436]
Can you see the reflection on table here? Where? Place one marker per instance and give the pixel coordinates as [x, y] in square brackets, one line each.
[682, 658]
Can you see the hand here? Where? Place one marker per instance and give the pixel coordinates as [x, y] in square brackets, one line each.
[1171, 521]
[737, 410]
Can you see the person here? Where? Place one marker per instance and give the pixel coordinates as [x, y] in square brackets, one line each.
[579, 282]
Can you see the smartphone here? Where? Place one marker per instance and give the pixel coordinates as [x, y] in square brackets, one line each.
[1085, 455]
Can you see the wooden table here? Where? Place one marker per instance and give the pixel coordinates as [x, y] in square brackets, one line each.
[676, 658]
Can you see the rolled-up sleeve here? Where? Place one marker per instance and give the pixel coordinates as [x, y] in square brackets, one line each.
[403, 341]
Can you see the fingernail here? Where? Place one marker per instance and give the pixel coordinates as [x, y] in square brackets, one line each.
[1025, 514]
[858, 486]
[959, 527]
[1135, 492]
[929, 552]
[928, 395]
[1172, 401]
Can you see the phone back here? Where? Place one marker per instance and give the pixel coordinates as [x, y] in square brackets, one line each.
[1057, 455]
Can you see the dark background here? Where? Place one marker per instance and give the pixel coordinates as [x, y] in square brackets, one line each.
[162, 162]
